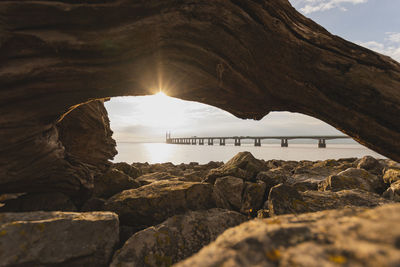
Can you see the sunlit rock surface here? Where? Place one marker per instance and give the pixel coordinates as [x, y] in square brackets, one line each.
[153, 203]
[350, 237]
[352, 179]
[176, 238]
[393, 192]
[246, 57]
[57, 238]
[169, 207]
[391, 176]
[285, 199]
[243, 166]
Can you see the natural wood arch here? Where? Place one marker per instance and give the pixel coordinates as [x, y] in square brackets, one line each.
[248, 57]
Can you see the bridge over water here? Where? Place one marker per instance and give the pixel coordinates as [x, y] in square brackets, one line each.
[194, 140]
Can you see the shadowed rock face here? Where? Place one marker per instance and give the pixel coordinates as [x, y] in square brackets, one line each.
[248, 57]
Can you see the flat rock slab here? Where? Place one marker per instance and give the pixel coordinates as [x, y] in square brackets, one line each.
[151, 204]
[176, 238]
[353, 179]
[57, 238]
[284, 199]
[349, 237]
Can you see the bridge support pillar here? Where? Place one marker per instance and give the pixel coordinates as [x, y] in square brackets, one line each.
[210, 141]
[201, 142]
[284, 143]
[257, 142]
[321, 143]
[237, 141]
[222, 141]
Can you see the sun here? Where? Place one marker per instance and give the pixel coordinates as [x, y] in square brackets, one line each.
[161, 110]
[160, 94]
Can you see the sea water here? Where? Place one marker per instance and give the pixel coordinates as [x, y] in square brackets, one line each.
[162, 152]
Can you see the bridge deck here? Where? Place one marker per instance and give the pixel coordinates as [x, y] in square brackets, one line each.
[257, 139]
[326, 137]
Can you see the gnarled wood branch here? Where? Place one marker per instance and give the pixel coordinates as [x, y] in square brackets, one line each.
[248, 57]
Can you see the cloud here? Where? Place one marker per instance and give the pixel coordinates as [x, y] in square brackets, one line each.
[393, 37]
[311, 6]
[391, 47]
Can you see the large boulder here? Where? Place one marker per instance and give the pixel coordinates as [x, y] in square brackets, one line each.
[39, 202]
[228, 192]
[254, 196]
[129, 170]
[243, 165]
[319, 170]
[370, 164]
[391, 176]
[273, 177]
[151, 204]
[393, 192]
[176, 238]
[349, 237]
[284, 199]
[240, 64]
[57, 238]
[353, 178]
[112, 182]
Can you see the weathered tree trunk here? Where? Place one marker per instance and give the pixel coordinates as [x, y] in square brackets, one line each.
[248, 57]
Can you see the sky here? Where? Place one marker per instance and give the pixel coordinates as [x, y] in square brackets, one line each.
[374, 24]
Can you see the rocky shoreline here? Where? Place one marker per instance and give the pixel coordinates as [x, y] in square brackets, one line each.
[246, 212]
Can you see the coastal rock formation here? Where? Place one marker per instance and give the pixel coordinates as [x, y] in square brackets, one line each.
[151, 177]
[393, 192]
[242, 165]
[167, 218]
[129, 170]
[254, 196]
[151, 204]
[285, 199]
[113, 182]
[370, 164]
[70, 154]
[273, 177]
[86, 135]
[247, 57]
[228, 192]
[391, 176]
[350, 237]
[175, 239]
[39, 202]
[317, 171]
[57, 238]
[354, 179]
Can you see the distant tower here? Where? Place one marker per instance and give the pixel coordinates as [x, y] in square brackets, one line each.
[167, 136]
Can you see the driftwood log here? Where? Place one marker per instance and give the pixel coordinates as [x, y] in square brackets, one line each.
[248, 57]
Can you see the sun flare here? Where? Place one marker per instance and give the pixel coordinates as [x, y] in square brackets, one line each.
[160, 94]
[162, 111]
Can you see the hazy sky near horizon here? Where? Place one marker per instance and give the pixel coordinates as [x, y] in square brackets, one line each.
[374, 24]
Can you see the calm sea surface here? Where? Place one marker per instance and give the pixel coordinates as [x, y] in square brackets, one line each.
[161, 152]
